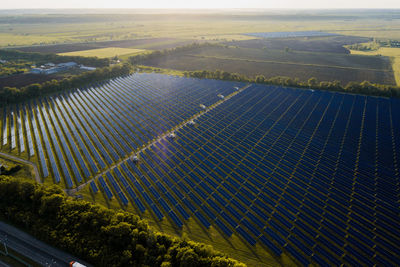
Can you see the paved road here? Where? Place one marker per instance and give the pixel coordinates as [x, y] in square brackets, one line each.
[34, 249]
[37, 175]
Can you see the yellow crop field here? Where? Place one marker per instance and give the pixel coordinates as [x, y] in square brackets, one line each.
[105, 52]
[393, 53]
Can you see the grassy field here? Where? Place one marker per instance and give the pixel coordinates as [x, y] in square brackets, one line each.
[105, 52]
[25, 30]
[329, 44]
[393, 53]
[271, 62]
[141, 43]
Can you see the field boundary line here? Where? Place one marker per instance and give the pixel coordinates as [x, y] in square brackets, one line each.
[164, 135]
[35, 168]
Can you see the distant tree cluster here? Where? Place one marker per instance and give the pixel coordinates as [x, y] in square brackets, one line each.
[13, 67]
[101, 236]
[364, 47]
[13, 94]
[365, 87]
[42, 58]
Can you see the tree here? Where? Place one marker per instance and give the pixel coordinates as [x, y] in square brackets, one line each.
[312, 82]
[99, 235]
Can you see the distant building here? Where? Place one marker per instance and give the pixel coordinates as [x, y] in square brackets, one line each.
[67, 65]
[3, 61]
[50, 68]
[394, 44]
[87, 68]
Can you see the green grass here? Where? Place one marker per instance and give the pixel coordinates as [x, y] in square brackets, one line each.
[25, 171]
[105, 52]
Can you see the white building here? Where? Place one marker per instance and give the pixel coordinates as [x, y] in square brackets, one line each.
[87, 68]
[50, 68]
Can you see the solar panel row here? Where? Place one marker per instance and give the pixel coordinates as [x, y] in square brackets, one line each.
[309, 173]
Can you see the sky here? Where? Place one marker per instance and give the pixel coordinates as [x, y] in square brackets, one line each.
[275, 4]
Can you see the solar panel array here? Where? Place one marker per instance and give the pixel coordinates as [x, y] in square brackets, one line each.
[290, 34]
[76, 135]
[311, 174]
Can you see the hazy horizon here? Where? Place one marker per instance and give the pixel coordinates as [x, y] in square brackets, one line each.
[206, 4]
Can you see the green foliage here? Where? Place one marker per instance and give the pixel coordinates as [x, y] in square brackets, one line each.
[365, 87]
[9, 168]
[364, 46]
[13, 95]
[14, 67]
[99, 235]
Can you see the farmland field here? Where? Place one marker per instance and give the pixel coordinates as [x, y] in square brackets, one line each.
[271, 63]
[28, 29]
[24, 79]
[333, 44]
[267, 174]
[105, 52]
[393, 53]
[152, 43]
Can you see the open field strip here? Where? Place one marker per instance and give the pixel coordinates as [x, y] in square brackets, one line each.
[285, 63]
[393, 53]
[105, 52]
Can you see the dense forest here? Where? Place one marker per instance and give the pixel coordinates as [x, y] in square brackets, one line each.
[13, 95]
[102, 236]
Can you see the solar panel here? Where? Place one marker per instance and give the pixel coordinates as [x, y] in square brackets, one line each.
[313, 174]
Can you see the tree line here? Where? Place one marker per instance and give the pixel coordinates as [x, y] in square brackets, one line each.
[42, 58]
[365, 87]
[102, 236]
[14, 95]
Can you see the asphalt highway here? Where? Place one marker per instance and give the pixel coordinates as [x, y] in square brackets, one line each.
[34, 249]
